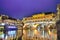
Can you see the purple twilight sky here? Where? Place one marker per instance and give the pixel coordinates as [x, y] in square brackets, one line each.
[22, 8]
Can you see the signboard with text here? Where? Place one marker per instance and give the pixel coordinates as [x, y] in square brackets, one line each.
[11, 27]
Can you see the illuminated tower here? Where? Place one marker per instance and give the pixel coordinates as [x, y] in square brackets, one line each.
[58, 12]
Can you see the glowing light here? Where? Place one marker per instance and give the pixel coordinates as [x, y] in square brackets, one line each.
[39, 15]
[49, 32]
[25, 25]
[2, 36]
[35, 25]
[35, 31]
[2, 23]
[24, 32]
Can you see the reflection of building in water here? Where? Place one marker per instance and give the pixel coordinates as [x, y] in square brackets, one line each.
[40, 23]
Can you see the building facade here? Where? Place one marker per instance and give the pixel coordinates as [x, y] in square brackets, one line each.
[40, 23]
